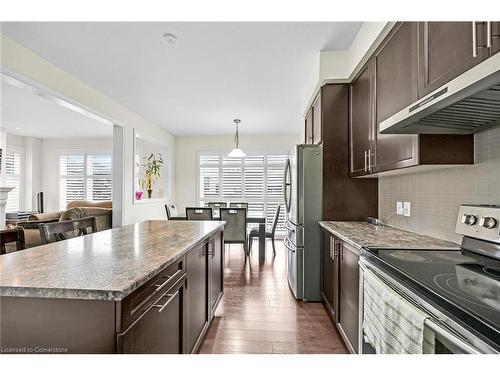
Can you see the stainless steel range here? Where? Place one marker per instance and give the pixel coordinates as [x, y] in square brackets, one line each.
[459, 290]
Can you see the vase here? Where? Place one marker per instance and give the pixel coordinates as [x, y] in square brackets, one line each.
[150, 193]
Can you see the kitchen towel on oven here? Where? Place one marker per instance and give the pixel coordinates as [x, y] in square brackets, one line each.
[391, 324]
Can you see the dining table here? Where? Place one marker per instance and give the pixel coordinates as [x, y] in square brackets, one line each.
[260, 220]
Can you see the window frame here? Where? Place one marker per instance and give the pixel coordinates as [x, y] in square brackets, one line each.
[21, 178]
[86, 153]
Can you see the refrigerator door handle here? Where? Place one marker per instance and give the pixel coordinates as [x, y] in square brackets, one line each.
[288, 226]
[287, 185]
[288, 246]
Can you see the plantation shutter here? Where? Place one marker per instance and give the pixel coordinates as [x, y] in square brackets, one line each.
[256, 180]
[84, 176]
[13, 162]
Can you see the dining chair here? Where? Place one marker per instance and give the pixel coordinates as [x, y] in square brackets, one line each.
[199, 213]
[235, 230]
[239, 205]
[254, 233]
[216, 206]
[171, 211]
[12, 235]
[58, 230]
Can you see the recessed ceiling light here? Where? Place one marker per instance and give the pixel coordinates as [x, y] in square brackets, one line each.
[17, 128]
[170, 38]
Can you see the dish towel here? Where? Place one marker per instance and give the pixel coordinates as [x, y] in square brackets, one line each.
[391, 324]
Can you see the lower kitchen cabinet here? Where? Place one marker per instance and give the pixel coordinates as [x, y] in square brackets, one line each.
[340, 287]
[348, 312]
[330, 275]
[197, 312]
[161, 328]
[216, 270]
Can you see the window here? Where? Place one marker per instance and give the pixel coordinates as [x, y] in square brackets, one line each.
[256, 179]
[84, 175]
[13, 177]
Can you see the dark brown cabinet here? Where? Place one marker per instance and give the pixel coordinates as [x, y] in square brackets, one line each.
[197, 293]
[317, 122]
[160, 329]
[348, 310]
[362, 121]
[390, 82]
[446, 50]
[309, 128]
[495, 37]
[340, 287]
[216, 270]
[313, 123]
[396, 88]
[330, 275]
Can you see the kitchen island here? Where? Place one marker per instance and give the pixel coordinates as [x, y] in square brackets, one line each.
[151, 287]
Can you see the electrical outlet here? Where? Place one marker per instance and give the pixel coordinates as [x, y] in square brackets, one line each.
[406, 208]
[399, 208]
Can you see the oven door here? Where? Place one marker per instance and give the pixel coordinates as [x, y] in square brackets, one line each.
[446, 342]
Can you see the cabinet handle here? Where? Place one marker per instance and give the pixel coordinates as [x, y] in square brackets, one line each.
[366, 165]
[164, 306]
[474, 39]
[369, 160]
[332, 246]
[488, 34]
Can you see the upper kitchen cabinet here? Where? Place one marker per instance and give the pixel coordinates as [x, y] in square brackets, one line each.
[495, 37]
[309, 128]
[447, 49]
[396, 88]
[317, 121]
[313, 123]
[362, 121]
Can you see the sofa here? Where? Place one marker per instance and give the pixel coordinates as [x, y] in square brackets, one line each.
[101, 210]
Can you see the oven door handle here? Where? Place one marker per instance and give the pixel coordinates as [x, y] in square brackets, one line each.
[453, 339]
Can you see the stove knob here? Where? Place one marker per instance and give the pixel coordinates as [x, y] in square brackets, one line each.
[488, 222]
[469, 219]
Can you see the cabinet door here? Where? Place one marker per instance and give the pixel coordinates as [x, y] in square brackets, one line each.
[309, 127]
[446, 50]
[216, 255]
[330, 275]
[160, 329]
[348, 312]
[495, 37]
[317, 121]
[197, 292]
[361, 122]
[396, 88]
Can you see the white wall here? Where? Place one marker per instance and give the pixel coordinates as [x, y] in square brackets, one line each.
[24, 63]
[187, 149]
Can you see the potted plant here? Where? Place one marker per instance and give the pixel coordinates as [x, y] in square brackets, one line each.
[151, 167]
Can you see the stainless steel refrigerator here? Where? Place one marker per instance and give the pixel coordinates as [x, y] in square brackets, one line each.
[303, 190]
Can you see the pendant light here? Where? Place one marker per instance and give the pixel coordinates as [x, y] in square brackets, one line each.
[237, 152]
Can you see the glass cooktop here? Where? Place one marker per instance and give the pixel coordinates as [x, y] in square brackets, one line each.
[470, 282]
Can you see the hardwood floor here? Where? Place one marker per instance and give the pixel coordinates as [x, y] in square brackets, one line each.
[258, 313]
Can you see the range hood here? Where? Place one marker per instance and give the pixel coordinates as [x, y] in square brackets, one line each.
[464, 105]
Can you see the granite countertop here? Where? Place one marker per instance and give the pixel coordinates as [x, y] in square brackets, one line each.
[107, 265]
[361, 234]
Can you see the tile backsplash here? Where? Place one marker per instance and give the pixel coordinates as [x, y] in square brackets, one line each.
[436, 195]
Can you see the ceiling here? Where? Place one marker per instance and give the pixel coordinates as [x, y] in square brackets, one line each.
[259, 72]
[29, 115]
